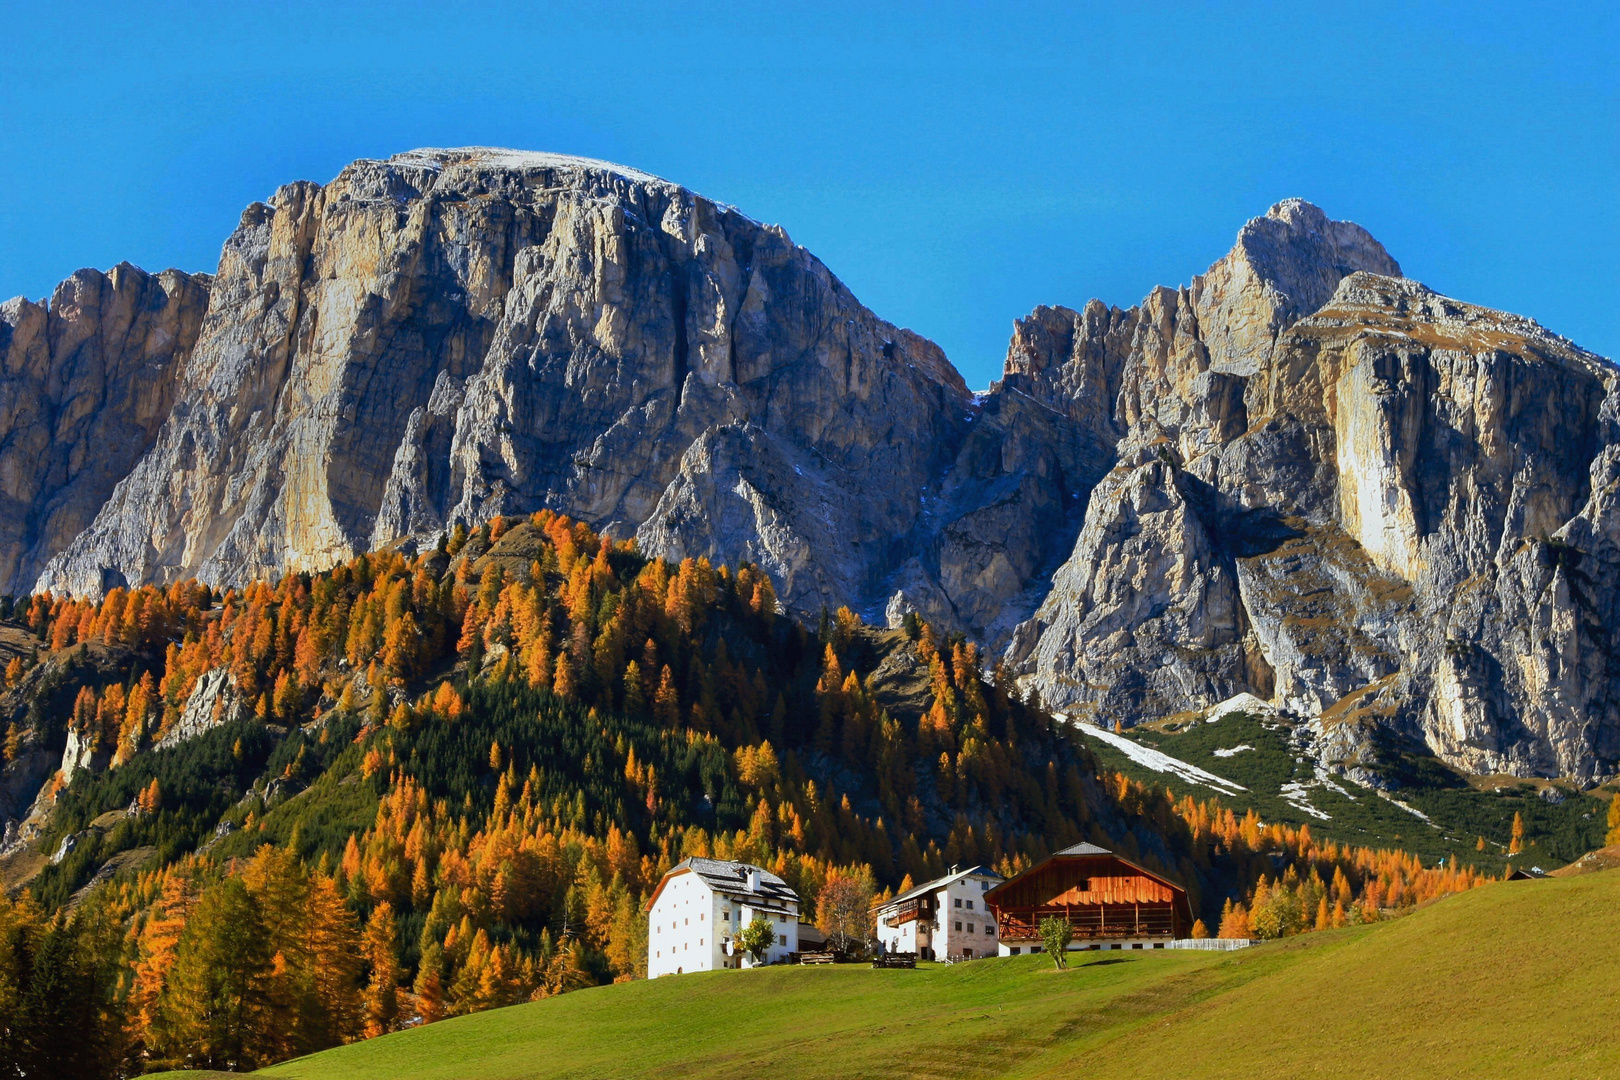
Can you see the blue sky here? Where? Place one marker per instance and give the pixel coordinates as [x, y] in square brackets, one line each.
[955, 164]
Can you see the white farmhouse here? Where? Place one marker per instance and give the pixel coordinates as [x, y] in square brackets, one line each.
[700, 906]
[945, 917]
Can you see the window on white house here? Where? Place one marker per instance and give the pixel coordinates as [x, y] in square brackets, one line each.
[970, 905]
[970, 928]
[990, 928]
[959, 925]
[782, 938]
[958, 902]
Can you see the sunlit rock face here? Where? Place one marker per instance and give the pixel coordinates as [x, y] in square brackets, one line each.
[86, 381]
[1353, 497]
[450, 335]
[1300, 476]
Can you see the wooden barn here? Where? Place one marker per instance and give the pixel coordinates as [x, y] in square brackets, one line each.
[1104, 897]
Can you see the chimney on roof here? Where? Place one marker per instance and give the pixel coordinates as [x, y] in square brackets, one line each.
[753, 879]
[953, 868]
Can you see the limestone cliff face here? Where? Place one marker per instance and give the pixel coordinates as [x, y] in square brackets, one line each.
[1345, 493]
[1144, 618]
[86, 381]
[449, 335]
[1300, 476]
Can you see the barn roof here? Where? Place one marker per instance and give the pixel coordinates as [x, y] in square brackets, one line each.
[1088, 851]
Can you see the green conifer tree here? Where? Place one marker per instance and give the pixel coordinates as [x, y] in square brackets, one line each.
[216, 1010]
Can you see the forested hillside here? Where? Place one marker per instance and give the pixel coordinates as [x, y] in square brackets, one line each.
[425, 784]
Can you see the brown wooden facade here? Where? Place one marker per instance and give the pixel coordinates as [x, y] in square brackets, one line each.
[919, 907]
[1101, 895]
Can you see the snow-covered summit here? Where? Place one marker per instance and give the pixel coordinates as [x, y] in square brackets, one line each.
[502, 158]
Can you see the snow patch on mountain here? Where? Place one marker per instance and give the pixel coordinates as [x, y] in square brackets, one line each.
[1158, 761]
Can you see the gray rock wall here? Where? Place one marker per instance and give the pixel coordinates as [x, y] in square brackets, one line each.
[86, 381]
[1354, 497]
[450, 335]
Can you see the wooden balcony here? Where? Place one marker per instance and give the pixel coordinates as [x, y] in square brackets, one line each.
[910, 911]
[1091, 921]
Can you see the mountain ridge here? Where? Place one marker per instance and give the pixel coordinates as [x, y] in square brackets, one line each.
[1300, 475]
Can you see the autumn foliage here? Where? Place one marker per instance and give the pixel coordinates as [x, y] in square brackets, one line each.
[447, 781]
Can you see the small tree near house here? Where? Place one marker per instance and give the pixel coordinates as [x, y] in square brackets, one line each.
[844, 911]
[1055, 936]
[757, 937]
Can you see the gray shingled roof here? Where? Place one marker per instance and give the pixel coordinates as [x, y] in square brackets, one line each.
[731, 878]
[940, 883]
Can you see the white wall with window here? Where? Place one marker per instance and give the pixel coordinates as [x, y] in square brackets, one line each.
[701, 905]
[941, 918]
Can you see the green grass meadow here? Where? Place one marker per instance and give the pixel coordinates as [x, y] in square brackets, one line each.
[1515, 979]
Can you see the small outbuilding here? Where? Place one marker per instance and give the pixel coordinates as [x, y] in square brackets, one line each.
[1109, 902]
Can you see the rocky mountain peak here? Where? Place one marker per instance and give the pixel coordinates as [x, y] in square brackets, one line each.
[1283, 266]
[86, 381]
[1342, 492]
[1295, 243]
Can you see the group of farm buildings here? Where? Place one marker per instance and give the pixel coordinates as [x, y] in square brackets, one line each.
[701, 905]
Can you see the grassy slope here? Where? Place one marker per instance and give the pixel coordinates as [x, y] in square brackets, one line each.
[962, 1021]
[1462, 811]
[1517, 978]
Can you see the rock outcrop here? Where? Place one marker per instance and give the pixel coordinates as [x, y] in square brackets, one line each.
[1301, 476]
[83, 752]
[1349, 495]
[211, 703]
[85, 384]
[450, 335]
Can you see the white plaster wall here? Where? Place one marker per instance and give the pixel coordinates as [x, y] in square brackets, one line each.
[951, 941]
[1026, 948]
[680, 928]
[687, 929]
[787, 927]
[941, 934]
